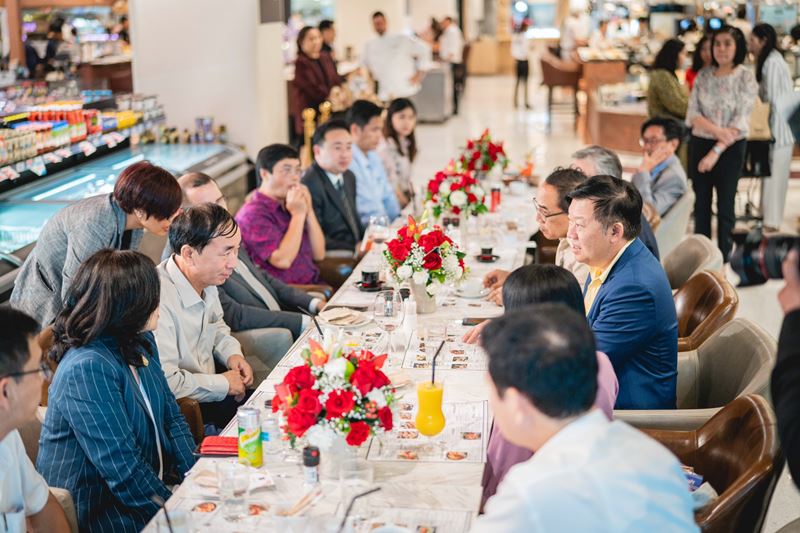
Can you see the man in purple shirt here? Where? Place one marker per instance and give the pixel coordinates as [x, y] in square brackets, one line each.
[279, 228]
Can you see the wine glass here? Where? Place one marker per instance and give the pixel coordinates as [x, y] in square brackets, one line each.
[378, 229]
[388, 312]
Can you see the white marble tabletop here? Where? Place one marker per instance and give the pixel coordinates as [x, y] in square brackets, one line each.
[406, 485]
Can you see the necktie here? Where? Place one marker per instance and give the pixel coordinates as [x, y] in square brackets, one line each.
[346, 202]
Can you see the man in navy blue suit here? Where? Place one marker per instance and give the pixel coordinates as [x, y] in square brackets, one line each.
[628, 298]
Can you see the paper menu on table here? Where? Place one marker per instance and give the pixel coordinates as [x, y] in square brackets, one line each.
[455, 355]
[463, 440]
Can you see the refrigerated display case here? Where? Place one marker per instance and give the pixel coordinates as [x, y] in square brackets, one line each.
[25, 210]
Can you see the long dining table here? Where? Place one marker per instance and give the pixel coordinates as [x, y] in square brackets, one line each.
[440, 490]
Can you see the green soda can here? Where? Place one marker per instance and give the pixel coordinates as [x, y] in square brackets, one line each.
[249, 437]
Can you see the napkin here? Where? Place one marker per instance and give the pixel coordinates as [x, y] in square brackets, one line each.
[219, 446]
[342, 316]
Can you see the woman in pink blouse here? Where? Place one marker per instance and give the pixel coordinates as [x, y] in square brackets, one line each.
[535, 284]
[279, 228]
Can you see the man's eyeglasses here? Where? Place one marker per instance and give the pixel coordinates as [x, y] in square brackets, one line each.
[541, 211]
[44, 368]
[651, 141]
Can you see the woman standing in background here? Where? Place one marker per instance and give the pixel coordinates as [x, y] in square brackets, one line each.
[399, 148]
[666, 97]
[701, 58]
[520, 46]
[774, 83]
[719, 114]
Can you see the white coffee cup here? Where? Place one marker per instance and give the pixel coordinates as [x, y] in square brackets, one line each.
[471, 288]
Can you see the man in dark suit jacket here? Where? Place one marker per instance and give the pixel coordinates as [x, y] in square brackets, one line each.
[333, 187]
[251, 298]
[628, 299]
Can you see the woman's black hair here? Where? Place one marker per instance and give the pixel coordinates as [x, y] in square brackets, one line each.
[738, 38]
[538, 284]
[301, 36]
[113, 293]
[398, 105]
[697, 60]
[667, 57]
[767, 34]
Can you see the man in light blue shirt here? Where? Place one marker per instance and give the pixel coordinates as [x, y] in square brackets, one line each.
[374, 195]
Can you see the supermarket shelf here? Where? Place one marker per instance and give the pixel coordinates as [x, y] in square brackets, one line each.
[94, 146]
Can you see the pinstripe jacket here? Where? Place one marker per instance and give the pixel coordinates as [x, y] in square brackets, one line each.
[98, 439]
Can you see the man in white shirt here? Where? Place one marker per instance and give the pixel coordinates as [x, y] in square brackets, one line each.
[551, 208]
[574, 34]
[451, 50]
[587, 473]
[397, 62]
[191, 334]
[25, 500]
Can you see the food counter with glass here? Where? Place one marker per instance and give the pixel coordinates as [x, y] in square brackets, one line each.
[25, 210]
[615, 114]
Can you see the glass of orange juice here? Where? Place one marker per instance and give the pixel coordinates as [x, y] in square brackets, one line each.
[430, 419]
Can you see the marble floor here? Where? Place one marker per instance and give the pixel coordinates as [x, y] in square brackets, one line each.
[487, 102]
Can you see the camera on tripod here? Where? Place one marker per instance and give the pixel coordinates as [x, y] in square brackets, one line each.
[757, 259]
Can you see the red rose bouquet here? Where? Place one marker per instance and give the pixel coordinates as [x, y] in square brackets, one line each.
[455, 191]
[425, 256]
[482, 155]
[335, 394]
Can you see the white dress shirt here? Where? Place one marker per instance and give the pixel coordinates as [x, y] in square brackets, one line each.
[393, 60]
[191, 333]
[451, 45]
[593, 475]
[520, 46]
[23, 491]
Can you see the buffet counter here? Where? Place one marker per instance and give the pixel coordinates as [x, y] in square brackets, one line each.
[615, 126]
[25, 210]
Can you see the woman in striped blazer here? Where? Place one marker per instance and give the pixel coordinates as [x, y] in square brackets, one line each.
[113, 435]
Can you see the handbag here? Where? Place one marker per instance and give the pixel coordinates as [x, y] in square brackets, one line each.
[759, 122]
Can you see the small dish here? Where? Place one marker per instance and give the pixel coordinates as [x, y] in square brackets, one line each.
[473, 295]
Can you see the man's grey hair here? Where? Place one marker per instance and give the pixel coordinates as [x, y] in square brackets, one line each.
[606, 161]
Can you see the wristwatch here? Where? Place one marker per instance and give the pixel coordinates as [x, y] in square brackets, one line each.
[717, 150]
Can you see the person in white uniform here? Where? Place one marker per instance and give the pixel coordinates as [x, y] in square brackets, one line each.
[451, 50]
[397, 62]
[26, 503]
[587, 473]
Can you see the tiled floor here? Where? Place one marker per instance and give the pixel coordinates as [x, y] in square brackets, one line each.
[488, 103]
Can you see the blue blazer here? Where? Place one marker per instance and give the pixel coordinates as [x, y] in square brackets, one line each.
[98, 439]
[634, 322]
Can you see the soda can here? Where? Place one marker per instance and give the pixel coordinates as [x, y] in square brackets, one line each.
[249, 437]
[495, 199]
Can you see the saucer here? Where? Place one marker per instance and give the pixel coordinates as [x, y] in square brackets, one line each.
[472, 296]
[487, 259]
[376, 288]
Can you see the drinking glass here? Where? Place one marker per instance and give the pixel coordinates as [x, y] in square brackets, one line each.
[378, 229]
[233, 480]
[388, 312]
[355, 477]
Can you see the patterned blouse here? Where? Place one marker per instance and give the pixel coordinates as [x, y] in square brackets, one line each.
[727, 101]
[263, 223]
[398, 165]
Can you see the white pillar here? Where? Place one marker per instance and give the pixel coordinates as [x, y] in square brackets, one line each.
[205, 58]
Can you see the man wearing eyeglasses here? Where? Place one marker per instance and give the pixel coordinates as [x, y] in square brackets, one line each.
[660, 178]
[551, 214]
[25, 500]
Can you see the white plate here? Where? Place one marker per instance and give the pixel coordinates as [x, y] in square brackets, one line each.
[473, 296]
[334, 317]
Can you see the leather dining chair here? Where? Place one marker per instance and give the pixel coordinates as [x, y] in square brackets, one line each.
[734, 361]
[738, 453]
[693, 254]
[559, 73]
[704, 304]
[672, 227]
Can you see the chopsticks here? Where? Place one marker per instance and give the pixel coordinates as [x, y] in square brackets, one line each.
[313, 318]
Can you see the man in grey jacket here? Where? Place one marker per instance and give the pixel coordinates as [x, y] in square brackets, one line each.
[660, 178]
